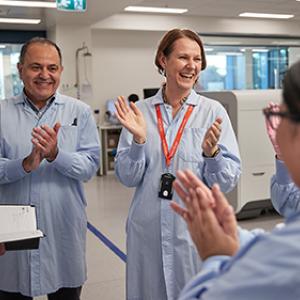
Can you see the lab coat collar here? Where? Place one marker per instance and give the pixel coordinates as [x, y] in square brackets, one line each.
[193, 98]
[20, 98]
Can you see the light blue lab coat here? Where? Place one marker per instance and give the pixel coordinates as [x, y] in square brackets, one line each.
[55, 189]
[161, 256]
[285, 195]
[266, 268]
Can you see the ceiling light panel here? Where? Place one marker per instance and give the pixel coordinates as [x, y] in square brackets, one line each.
[265, 15]
[40, 4]
[148, 9]
[20, 21]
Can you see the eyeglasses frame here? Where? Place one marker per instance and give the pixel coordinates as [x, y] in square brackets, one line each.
[268, 113]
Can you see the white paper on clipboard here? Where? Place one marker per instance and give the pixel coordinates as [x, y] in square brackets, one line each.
[18, 222]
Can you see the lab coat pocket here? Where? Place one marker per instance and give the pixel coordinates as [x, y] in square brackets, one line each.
[67, 138]
[190, 149]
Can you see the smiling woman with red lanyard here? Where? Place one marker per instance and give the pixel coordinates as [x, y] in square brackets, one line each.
[175, 129]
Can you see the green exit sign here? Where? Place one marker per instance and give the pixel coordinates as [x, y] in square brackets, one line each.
[71, 5]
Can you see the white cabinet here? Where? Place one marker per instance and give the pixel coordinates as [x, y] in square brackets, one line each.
[244, 108]
[109, 138]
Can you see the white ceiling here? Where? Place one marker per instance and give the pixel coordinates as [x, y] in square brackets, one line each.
[231, 8]
[98, 10]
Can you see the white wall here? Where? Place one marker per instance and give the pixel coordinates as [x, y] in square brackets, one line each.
[69, 38]
[294, 54]
[123, 48]
[123, 63]
[200, 24]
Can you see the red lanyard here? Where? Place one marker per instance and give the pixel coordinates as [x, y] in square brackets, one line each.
[160, 126]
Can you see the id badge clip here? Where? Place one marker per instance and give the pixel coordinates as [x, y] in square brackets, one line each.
[166, 186]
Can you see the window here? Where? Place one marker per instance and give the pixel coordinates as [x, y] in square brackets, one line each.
[10, 46]
[238, 67]
[246, 62]
[10, 83]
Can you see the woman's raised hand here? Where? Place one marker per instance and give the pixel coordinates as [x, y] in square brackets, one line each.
[132, 119]
[272, 125]
[211, 138]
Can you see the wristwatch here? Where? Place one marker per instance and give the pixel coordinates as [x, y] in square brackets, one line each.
[214, 154]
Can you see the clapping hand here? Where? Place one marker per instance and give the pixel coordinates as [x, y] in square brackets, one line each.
[132, 119]
[272, 125]
[210, 219]
[33, 160]
[44, 140]
[211, 138]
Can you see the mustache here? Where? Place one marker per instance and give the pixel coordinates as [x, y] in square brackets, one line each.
[41, 80]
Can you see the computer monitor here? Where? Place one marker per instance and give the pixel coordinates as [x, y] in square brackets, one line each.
[149, 92]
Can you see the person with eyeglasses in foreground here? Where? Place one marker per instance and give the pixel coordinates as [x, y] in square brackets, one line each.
[285, 195]
[268, 266]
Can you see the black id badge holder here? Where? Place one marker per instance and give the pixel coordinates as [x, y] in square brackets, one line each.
[166, 186]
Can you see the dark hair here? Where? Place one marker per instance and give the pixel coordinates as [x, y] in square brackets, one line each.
[166, 45]
[291, 89]
[38, 40]
[133, 98]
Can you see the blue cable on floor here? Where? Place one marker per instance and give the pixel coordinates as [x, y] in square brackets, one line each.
[107, 242]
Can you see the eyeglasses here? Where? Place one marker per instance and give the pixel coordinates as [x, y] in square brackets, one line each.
[269, 113]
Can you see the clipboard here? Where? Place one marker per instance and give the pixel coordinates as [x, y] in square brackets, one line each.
[18, 227]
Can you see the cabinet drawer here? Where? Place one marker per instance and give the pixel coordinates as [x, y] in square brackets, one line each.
[255, 183]
[255, 146]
